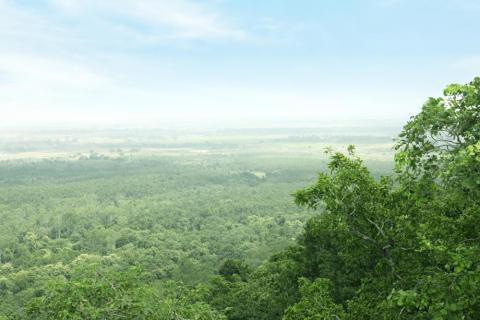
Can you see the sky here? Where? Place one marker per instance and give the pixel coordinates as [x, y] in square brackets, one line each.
[230, 62]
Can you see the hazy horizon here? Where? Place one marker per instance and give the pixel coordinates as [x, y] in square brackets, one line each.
[206, 125]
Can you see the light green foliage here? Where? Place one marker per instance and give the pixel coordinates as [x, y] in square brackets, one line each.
[174, 218]
[90, 291]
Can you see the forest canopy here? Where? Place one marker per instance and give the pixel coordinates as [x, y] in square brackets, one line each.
[400, 246]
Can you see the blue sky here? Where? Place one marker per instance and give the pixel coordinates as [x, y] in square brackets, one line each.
[234, 62]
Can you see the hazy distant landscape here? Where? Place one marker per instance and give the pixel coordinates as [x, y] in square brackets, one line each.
[29, 144]
[239, 160]
[200, 196]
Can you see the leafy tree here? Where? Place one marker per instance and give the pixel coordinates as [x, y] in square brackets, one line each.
[405, 249]
[315, 302]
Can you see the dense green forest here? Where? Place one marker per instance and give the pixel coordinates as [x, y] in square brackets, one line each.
[221, 237]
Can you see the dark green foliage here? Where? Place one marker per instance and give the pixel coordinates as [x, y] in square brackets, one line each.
[405, 247]
[265, 295]
[234, 268]
[409, 249]
[315, 302]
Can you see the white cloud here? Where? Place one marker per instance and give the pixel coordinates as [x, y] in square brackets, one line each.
[38, 89]
[73, 62]
[56, 66]
[185, 19]
[48, 72]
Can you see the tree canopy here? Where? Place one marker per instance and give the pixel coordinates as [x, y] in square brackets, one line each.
[400, 246]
